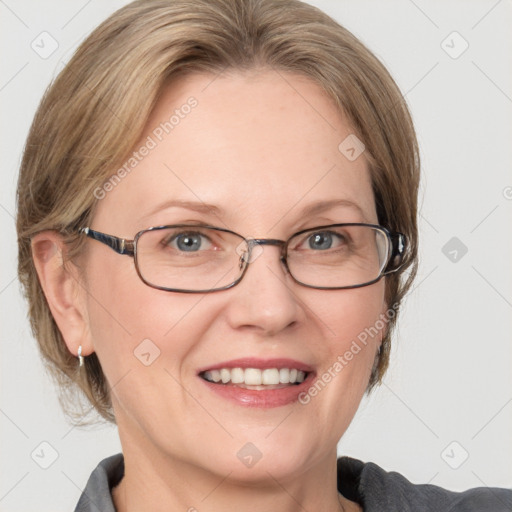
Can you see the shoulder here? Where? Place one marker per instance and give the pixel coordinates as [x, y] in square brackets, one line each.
[379, 490]
[97, 493]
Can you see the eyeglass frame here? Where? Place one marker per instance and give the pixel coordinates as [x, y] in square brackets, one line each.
[397, 247]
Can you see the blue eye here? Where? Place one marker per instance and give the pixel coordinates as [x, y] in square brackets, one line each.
[323, 240]
[320, 241]
[189, 242]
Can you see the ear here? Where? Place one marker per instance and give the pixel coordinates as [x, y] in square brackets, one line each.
[63, 290]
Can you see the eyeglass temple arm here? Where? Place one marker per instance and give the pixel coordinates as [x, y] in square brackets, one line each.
[399, 245]
[120, 245]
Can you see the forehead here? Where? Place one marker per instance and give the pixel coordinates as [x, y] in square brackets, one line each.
[260, 146]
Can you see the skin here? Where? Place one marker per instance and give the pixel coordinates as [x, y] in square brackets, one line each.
[262, 146]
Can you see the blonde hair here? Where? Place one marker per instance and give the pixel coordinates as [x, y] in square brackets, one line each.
[91, 117]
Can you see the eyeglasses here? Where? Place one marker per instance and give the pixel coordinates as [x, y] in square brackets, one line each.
[193, 258]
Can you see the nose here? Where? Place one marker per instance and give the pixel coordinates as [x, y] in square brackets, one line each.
[265, 300]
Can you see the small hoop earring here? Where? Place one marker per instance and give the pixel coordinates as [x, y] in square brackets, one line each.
[80, 356]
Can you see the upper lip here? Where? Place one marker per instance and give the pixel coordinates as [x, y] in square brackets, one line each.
[263, 364]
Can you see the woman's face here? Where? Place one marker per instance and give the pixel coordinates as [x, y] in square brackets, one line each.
[261, 147]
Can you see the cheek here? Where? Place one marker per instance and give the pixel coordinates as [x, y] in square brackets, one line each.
[129, 320]
[353, 327]
[353, 315]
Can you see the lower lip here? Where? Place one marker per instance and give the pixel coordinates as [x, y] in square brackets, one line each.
[260, 398]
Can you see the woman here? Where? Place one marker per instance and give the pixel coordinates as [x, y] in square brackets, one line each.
[217, 207]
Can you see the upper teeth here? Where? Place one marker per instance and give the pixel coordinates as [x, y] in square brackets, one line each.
[255, 376]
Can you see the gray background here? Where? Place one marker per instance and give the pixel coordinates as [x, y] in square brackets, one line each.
[448, 392]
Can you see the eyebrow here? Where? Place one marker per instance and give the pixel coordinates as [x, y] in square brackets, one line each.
[321, 206]
[201, 207]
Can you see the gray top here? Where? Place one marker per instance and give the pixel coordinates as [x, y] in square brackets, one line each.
[369, 485]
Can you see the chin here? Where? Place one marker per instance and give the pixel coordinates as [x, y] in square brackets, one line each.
[269, 453]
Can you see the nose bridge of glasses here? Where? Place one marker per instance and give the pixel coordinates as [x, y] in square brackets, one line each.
[255, 242]
[265, 241]
[255, 249]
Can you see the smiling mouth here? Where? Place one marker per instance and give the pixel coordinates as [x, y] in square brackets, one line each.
[256, 378]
